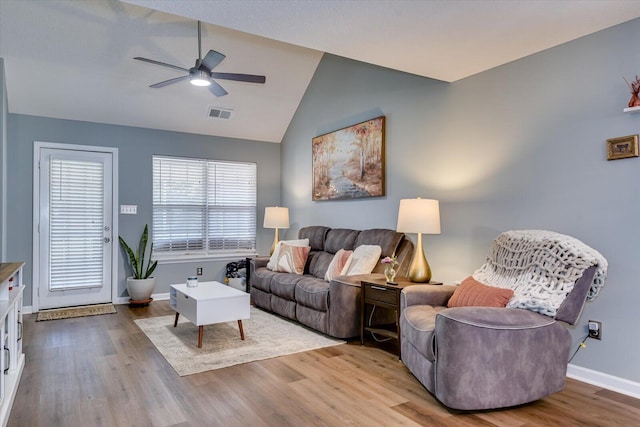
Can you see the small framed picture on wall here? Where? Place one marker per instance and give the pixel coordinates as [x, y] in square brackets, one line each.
[622, 148]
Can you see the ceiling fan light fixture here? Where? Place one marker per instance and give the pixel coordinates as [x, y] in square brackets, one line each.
[200, 78]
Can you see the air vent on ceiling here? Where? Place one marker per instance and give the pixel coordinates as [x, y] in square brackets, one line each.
[219, 113]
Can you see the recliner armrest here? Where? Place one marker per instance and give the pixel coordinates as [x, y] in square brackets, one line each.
[255, 263]
[260, 261]
[434, 295]
[497, 357]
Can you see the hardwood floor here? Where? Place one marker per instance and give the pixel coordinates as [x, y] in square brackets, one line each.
[103, 371]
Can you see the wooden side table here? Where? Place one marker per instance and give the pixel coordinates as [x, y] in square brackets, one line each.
[377, 293]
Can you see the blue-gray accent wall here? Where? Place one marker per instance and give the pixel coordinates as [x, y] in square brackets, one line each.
[521, 146]
[135, 149]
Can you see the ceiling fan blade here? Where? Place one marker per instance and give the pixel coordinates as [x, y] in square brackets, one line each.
[151, 61]
[212, 59]
[251, 78]
[217, 89]
[170, 81]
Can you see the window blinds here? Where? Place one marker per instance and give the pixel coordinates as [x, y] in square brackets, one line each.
[203, 207]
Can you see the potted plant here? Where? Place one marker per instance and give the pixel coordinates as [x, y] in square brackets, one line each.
[141, 284]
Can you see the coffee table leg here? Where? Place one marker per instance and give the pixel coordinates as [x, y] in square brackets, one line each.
[175, 322]
[200, 334]
[241, 330]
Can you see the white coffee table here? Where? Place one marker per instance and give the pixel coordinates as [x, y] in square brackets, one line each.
[208, 303]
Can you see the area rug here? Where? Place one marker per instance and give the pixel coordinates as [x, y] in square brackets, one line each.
[266, 336]
[81, 311]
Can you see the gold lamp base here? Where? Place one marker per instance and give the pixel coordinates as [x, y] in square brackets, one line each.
[419, 270]
[276, 239]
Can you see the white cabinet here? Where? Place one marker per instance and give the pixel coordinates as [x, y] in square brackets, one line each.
[12, 358]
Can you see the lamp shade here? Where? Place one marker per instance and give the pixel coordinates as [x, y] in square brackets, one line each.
[419, 216]
[276, 217]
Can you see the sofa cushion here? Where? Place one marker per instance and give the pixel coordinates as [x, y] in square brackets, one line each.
[472, 293]
[339, 265]
[364, 259]
[271, 265]
[388, 240]
[284, 284]
[261, 279]
[313, 292]
[319, 264]
[340, 238]
[316, 235]
[292, 259]
[418, 323]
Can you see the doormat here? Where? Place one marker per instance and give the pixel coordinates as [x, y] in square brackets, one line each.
[81, 311]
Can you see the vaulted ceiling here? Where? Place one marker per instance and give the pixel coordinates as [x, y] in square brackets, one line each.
[74, 59]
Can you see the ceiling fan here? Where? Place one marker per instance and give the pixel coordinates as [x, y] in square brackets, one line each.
[201, 74]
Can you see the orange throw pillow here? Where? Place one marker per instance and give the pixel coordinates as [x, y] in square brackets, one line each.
[471, 293]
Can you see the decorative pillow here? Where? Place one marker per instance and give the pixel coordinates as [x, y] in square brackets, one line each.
[364, 259]
[291, 259]
[271, 265]
[339, 265]
[471, 293]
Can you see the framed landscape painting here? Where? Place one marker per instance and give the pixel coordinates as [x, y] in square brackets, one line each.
[349, 163]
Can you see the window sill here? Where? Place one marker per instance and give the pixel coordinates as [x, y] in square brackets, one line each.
[181, 259]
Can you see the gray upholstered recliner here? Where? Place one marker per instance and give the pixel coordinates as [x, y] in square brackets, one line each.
[475, 358]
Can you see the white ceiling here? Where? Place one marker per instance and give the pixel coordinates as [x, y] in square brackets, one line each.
[80, 53]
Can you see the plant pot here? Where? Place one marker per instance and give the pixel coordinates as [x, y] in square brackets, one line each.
[140, 290]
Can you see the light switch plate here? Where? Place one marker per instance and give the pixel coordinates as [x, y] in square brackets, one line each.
[129, 209]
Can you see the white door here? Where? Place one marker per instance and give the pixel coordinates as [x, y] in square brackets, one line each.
[75, 208]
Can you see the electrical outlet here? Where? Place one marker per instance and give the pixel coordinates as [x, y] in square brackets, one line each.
[199, 271]
[595, 329]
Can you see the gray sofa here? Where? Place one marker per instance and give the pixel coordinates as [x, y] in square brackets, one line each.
[329, 307]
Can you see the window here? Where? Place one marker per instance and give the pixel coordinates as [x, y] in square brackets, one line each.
[203, 207]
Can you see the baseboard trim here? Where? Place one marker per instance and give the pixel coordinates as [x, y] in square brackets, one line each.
[600, 379]
[28, 309]
[157, 297]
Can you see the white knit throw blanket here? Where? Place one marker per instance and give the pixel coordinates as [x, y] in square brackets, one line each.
[541, 267]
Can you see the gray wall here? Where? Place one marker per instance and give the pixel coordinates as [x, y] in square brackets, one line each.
[135, 148]
[521, 146]
[3, 161]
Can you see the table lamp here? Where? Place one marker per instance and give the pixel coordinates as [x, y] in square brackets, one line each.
[276, 217]
[419, 216]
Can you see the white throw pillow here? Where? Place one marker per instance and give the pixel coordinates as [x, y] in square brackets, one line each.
[364, 259]
[339, 265]
[271, 265]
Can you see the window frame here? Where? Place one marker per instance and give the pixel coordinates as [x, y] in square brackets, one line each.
[204, 254]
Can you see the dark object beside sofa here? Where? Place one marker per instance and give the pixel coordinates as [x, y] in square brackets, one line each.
[329, 307]
[476, 358]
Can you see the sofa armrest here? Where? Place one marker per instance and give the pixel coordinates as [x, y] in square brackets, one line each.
[344, 304]
[356, 279]
[434, 295]
[260, 261]
[255, 263]
[497, 357]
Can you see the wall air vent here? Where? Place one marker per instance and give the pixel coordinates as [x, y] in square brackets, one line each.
[219, 113]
